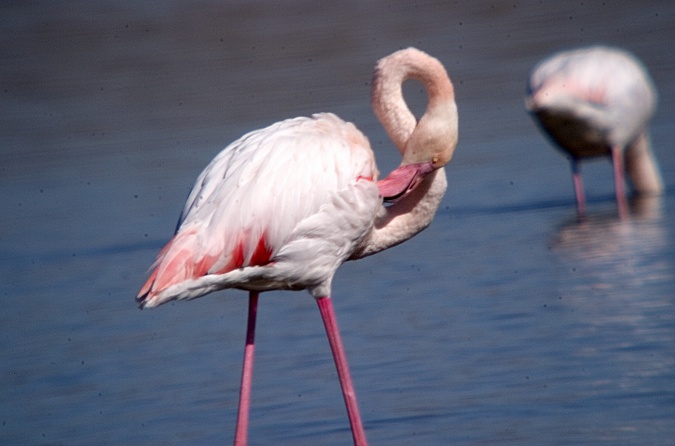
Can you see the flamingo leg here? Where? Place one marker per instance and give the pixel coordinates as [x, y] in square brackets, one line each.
[329, 321]
[578, 187]
[241, 433]
[617, 165]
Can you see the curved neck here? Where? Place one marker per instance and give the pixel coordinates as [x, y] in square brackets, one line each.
[387, 91]
[405, 218]
[432, 142]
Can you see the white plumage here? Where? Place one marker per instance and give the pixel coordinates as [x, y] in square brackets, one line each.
[607, 89]
[284, 206]
[312, 180]
[598, 101]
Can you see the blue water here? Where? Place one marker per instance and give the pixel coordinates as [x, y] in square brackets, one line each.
[506, 322]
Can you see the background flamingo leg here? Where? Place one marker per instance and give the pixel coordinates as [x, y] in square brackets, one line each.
[329, 321]
[241, 433]
[578, 187]
[617, 165]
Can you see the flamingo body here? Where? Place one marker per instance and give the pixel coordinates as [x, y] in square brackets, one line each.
[313, 180]
[596, 102]
[282, 207]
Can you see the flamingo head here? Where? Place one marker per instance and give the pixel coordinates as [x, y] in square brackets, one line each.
[430, 147]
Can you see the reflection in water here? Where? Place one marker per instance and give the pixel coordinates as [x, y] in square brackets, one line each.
[617, 288]
[616, 254]
[615, 283]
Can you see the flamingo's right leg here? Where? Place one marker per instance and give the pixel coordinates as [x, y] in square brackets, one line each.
[329, 321]
[241, 434]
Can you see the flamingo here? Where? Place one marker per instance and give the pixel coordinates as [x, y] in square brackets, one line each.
[282, 207]
[594, 102]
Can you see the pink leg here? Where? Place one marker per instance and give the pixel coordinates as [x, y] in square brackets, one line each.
[617, 164]
[578, 187]
[328, 315]
[241, 434]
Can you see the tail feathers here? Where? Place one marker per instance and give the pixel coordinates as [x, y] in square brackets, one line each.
[179, 261]
[145, 289]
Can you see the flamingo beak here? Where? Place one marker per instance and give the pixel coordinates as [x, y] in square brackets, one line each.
[403, 180]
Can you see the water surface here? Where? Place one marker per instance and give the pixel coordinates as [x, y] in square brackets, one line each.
[506, 322]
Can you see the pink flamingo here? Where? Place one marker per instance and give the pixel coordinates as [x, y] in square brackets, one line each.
[282, 207]
[595, 102]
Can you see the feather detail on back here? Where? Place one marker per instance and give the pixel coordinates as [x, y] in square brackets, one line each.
[249, 202]
[606, 88]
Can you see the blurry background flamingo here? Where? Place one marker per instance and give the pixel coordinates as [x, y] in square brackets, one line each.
[284, 206]
[594, 102]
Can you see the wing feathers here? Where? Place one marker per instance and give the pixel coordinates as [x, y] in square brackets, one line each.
[249, 200]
